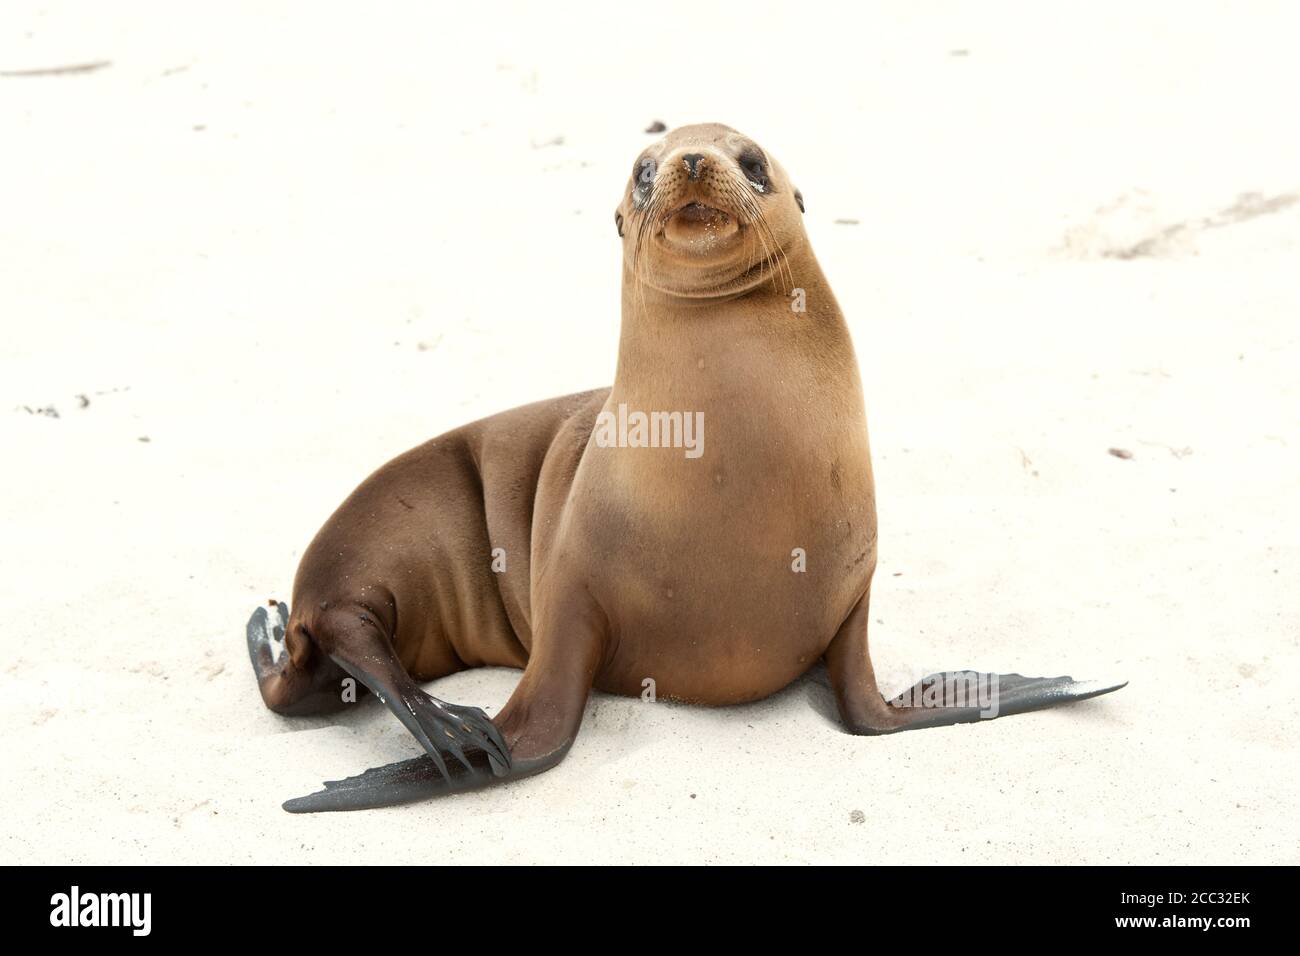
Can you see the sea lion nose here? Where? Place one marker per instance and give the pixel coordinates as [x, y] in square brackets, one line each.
[692, 163]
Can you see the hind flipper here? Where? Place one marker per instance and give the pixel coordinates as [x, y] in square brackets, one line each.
[293, 679]
[441, 728]
[964, 697]
[403, 782]
[954, 697]
[408, 781]
[265, 636]
[448, 732]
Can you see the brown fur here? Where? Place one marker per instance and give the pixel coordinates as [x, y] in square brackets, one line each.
[631, 563]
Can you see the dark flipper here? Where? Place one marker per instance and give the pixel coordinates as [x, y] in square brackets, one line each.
[408, 781]
[309, 685]
[403, 782]
[440, 727]
[540, 721]
[266, 638]
[463, 748]
[953, 697]
[964, 697]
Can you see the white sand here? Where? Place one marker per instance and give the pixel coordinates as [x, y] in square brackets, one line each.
[266, 242]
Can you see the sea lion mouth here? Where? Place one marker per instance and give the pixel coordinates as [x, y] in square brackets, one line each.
[699, 212]
[699, 229]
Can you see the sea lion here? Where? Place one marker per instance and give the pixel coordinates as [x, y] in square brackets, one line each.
[593, 542]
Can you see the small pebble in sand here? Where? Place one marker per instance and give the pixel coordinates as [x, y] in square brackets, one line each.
[656, 127]
[857, 816]
[1120, 453]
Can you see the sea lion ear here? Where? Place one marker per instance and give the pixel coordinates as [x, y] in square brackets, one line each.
[798, 197]
[618, 222]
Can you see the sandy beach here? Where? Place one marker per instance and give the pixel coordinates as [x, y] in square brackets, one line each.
[247, 257]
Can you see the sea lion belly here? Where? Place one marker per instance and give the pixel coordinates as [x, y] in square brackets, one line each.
[724, 577]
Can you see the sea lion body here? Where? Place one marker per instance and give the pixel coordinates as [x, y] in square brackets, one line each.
[541, 538]
[443, 508]
[672, 547]
[695, 558]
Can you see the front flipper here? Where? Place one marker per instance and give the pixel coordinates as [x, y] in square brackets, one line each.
[964, 697]
[940, 700]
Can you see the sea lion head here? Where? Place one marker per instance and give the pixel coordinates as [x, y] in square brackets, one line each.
[708, 212]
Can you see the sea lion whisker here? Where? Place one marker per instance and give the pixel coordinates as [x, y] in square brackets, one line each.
[782, 265]
[772, 249]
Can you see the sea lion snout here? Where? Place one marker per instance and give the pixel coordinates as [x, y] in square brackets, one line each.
[693, 163]
[698, 206]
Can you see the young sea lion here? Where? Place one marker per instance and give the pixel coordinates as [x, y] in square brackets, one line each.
[633, 548]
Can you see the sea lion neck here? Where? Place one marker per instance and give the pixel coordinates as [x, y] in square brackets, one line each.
[793, 320]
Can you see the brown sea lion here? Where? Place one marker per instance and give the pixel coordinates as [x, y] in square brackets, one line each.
[707, 524]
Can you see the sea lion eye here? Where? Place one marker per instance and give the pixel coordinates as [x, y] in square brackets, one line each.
[755, 170]
[644, 180]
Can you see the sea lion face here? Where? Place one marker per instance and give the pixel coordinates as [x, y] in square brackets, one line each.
[707, 212]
